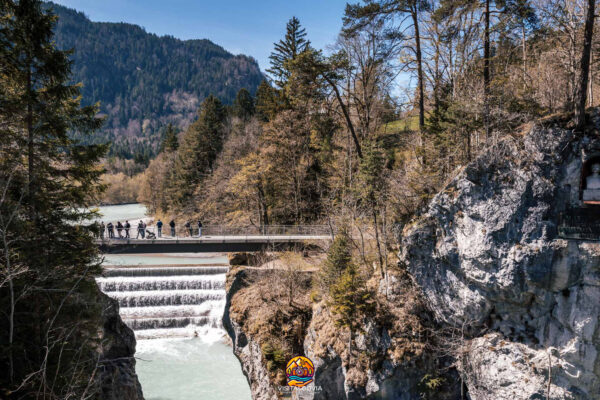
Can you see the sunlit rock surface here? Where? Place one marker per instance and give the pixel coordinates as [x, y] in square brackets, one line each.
[487, 257]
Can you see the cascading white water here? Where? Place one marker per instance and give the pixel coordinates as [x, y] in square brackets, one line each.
[159, 302]
[174, 364]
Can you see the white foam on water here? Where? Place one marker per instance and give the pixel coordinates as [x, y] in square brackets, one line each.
[165, 297]
[165, 259]
[206, 334]
[208, 308]
[179, 282]
[171, 301]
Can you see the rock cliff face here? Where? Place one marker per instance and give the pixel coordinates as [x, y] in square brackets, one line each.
[488, 258]
[389, 360]
[384, 378]
[490, 264]
[246, 348]
[116, 377]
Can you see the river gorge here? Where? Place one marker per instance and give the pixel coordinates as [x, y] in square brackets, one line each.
[174, 303]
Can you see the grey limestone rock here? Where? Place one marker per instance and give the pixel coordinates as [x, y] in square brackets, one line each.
[487, 255]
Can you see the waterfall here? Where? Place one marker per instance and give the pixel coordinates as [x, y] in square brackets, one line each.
[159, 302]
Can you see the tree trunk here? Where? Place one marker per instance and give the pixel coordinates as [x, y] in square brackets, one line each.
[30, 146]
[437, 79]
[346, 115]
[263, 207]
[486, 72]
[524, 50]
[584, 70]
[350, 346]
[377, 238]
[469, 146]
[591, 85]
[420, 83]
[11, 315]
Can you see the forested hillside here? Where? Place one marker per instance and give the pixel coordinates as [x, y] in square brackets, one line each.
[143, 81]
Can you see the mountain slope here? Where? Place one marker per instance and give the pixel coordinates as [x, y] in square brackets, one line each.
[144, 81]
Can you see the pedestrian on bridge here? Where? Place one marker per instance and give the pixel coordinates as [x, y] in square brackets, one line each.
[127, 228]
[119, 229]
[140, 230]
[172, 225]
[199, 228]
[188, 225]
[159, 225]
[111, 230]
[102, 228]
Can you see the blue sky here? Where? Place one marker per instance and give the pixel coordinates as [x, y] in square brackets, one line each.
[246, 27]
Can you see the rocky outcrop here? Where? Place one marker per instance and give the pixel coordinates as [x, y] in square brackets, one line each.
[383, 379]
[391, 357]
[389, 360]
[245, 347]
[488, 259]
[116, 376]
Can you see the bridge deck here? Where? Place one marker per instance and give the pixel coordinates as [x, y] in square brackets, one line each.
[217, 244]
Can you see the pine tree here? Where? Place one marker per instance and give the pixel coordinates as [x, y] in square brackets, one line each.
[267, 103]
[350, 302]
[201, 144]
[371, 187]
[170, 141]
[286, 50]
[371, 183]
[243, 107]
[49, 180]
[339, 257]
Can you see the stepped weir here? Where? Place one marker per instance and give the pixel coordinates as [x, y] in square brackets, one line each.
[162, 302]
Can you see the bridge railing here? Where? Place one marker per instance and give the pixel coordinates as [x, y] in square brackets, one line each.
[182, 232]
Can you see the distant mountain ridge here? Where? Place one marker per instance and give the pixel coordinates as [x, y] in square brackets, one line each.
[145, 81]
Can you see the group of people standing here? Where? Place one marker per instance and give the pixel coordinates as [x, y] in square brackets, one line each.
[142, 230]
[122, 228]
[172, 225]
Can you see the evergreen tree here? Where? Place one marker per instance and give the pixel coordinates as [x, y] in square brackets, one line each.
[371, 182]
[286, 50]
[243, 106]
[371, 187]
[170, 141]
[339, 257]
[201, 144]
[48, 180]
[267, 104]
[350, 302]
